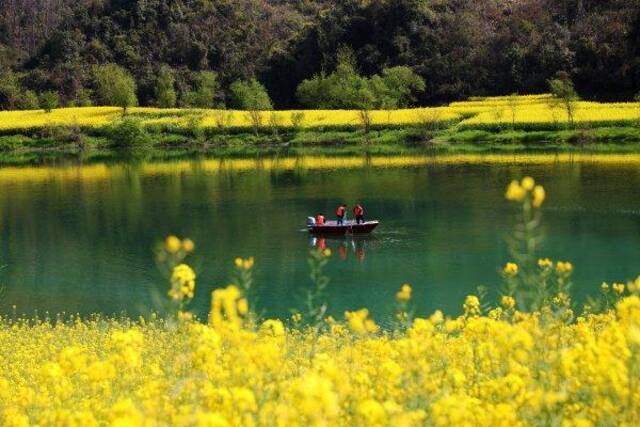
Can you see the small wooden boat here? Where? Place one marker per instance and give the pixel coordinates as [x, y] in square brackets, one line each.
[349, 227]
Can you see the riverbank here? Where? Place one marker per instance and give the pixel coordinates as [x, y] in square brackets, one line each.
[512, 124]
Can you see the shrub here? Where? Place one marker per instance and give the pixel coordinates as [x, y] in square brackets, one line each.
[115, 86]
[206, 89]
[29, 101]
[128, 132]
[251, 96]
[165, 91]
[48, 100]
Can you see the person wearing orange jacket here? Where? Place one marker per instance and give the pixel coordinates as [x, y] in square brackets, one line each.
[341, 212]
[358, 213]
[319, 219]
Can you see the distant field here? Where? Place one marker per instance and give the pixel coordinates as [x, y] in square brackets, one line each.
[532, 112]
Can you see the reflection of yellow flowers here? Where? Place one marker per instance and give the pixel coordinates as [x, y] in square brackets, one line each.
[172, 244]
[183, 282]
[510, 269]
[326, 253]
[404, 294]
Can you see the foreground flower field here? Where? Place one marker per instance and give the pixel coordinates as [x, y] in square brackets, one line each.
[533, 358]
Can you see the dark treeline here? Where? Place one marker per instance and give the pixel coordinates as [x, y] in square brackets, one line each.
[459, 48]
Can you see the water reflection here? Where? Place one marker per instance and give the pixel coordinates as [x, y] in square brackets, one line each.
[346, 247]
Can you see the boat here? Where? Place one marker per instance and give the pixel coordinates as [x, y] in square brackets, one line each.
[349, 227]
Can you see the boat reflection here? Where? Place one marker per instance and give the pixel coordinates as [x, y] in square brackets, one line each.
[344, 246]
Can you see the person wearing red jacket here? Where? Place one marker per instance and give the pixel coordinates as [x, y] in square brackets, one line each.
[341, 212]
[358, 213]
[319, 219]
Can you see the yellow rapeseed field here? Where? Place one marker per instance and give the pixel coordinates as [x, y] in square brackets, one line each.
[502, 365]
[529, 111]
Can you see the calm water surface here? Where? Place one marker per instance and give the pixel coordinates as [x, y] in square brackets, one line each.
[80, 238]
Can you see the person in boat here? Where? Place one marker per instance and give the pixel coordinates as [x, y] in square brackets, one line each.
[358, 213]
[341, 213]
[319, 219]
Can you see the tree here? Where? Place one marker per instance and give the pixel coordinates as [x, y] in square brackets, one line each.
[345, 88]
[402, 83]
[251, 95]
[206, 89]
[48, 100]
[565, 94]
[29, 101]
[165, 91]
[9, 90]
[115, 86]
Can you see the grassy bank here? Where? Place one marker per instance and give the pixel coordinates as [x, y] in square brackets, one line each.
[505, 123]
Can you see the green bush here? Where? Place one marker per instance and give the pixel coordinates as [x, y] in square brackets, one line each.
[48, 100]
[128, 133]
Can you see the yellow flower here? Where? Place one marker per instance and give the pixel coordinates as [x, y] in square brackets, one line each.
[471, 306]
[404, 294]
[172, 244]
[510, 269]
[618, 288]
[604, 286]
[545, 263]
[538, 196]
[188, 245]
[359, 323]
[247, 264]
[564, 268]
[508, 302]
[528, 183]
[273, 327]
[515, 192]
[327, 253]
[243, 306]
[183, 282]
[244, 264]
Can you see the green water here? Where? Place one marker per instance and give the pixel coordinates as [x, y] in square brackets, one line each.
[79, 238]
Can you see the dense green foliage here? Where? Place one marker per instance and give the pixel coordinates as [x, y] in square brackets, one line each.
[115, 86]
[165, 90]
[250, 95]
[48, 100]
[346, 89]
[460, 48]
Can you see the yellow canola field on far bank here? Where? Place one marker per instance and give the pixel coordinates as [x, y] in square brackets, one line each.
[529, 111]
